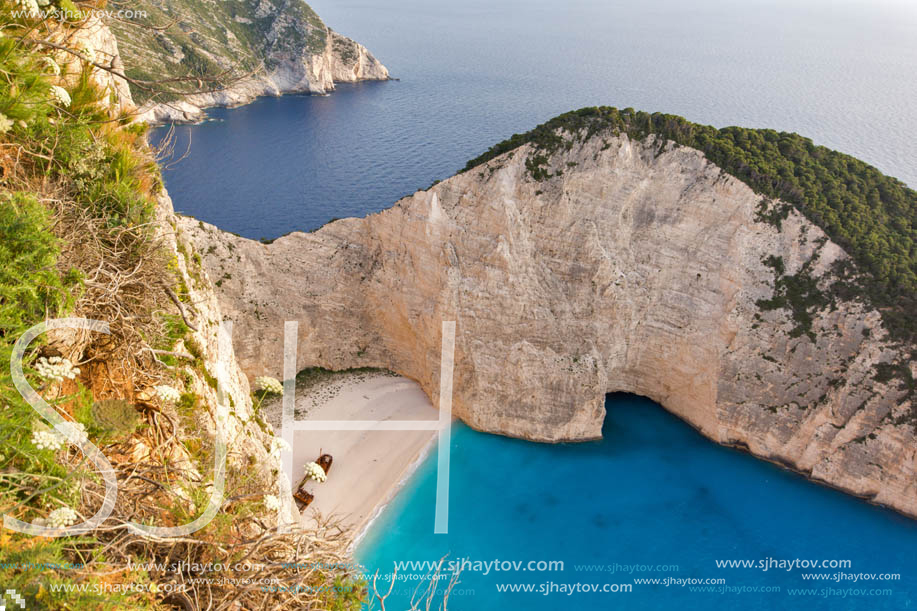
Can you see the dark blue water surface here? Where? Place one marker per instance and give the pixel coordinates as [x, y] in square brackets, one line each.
[474, 72]
[654, 492]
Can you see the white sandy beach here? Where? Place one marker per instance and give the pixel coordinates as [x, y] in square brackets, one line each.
[369, 466]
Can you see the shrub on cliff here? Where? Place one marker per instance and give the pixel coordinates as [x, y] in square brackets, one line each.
[30, 284]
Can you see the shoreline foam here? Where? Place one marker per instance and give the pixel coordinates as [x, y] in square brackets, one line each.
[393, 492]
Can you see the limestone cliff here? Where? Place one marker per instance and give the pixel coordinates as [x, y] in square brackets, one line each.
[638, 266]
[94, 37]
[250, 441]
[280, 46]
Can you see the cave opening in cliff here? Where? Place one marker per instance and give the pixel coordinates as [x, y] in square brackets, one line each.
[621, 410]
[618, 402]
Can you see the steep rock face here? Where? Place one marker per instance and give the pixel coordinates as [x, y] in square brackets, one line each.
[249, 444]
[342, 61]
[636, 268]
[281, 46]
[95, 37]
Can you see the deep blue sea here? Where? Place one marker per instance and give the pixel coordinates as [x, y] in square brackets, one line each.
[654, 493]
[474, 72]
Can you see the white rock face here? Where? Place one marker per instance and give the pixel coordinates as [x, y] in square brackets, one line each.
[248, 442]
[95, 35]
[638, 269]
[248, 445]
[343, 61]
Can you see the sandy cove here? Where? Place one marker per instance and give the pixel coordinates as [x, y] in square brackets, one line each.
[369, 466]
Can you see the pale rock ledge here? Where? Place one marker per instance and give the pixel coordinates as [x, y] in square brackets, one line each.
[343, 61]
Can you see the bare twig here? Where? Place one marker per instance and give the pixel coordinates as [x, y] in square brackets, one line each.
[181, 309]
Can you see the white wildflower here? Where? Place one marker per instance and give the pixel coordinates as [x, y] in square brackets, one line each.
[53, 440]
[5, 124]
[49, 62]
[62, 517]
[278, 445]
[271, 502]
[60, 95]
[29, 6]
[81, 436]
[56, 368]
[269, 385]
[314, 471]
[43, 2]
[167, 394]
[48, 440]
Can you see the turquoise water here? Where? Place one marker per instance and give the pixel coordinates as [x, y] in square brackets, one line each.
[653, 492]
